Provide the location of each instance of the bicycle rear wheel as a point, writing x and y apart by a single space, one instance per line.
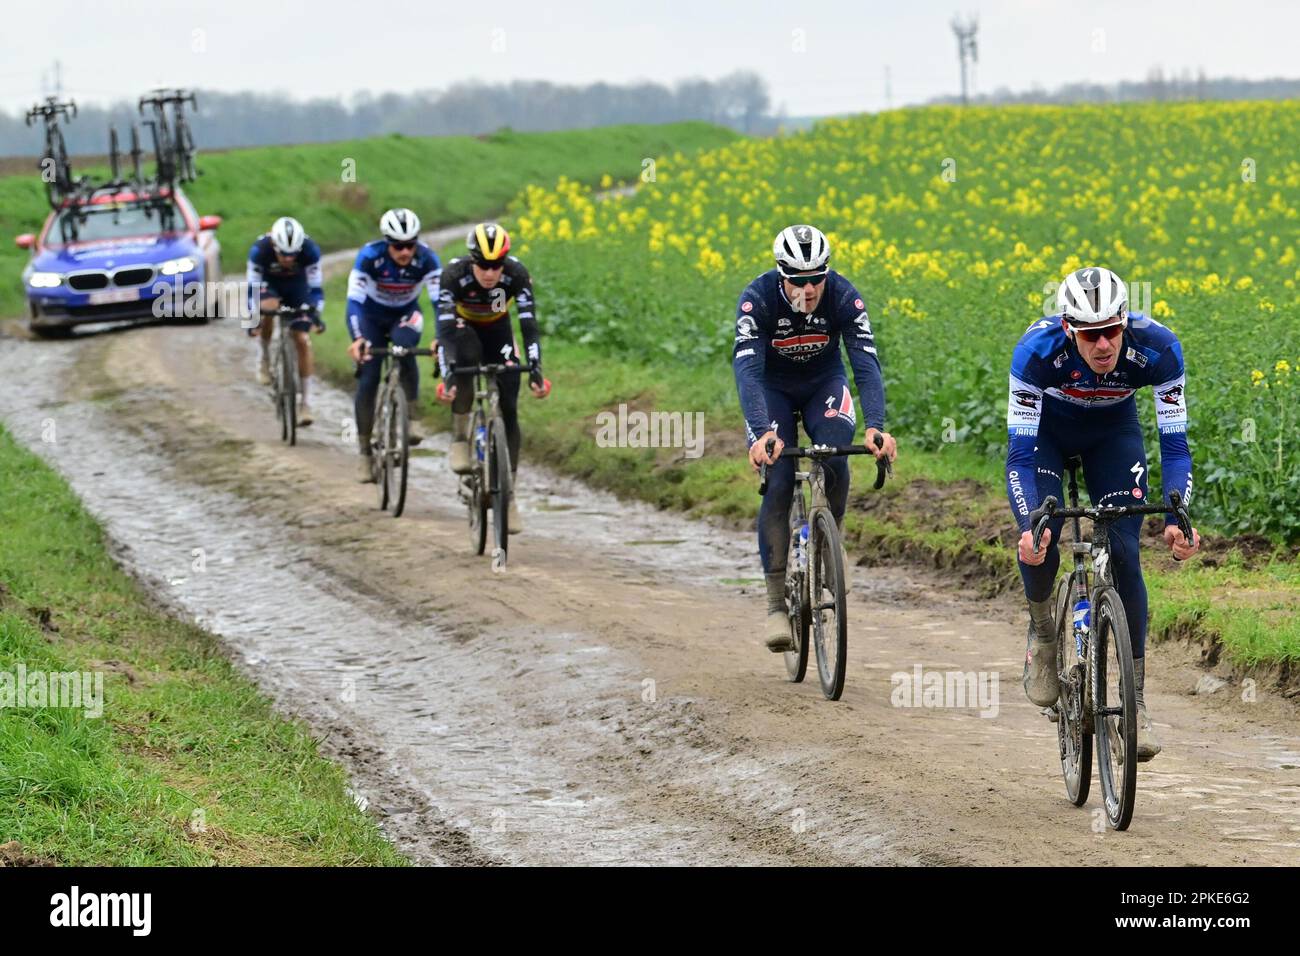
1073 740
796 601
399 455
830 623
499 479
1114 694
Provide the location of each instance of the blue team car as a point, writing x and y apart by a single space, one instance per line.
123 251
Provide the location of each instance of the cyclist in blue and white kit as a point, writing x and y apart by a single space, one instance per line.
284 268
1073 377
789 323
383 307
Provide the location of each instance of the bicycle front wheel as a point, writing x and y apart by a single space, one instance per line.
478 488
1114 696
379 446
1073 740
830 623
399 450
499 479
289 393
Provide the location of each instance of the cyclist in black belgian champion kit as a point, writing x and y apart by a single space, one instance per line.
474 328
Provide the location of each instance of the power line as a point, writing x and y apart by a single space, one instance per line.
967 52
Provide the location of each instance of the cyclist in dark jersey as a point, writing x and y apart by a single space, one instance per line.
284 269
474 328
1073 377
789 325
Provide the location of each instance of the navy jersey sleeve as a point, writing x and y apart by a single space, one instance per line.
855 328
433 279
310 260
749 357
255 275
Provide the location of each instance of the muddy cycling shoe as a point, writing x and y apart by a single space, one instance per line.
414 433
458 457
304 415
1042 686
365 474
777 632
512 517
1147 743
264 372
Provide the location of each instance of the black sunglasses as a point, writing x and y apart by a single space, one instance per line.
801 281
402 246
490 266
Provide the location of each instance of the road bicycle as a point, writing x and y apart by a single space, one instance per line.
489 483
1094 654
390 436
816 580
56 170
285 381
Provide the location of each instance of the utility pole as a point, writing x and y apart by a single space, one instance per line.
967 52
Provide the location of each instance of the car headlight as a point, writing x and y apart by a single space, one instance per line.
45 280
175 267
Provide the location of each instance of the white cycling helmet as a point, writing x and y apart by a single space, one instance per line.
1093 298
400 225
287 236
801 249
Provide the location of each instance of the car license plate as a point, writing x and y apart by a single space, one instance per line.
115 295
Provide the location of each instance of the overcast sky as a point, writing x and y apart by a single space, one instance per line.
817 58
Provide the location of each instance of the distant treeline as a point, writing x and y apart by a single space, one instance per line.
1157 86
739 100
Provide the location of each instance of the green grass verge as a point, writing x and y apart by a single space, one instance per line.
444 179
188 765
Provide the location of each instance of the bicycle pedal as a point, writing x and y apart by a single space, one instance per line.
1051 714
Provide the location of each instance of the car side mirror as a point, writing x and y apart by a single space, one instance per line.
209 222
25 241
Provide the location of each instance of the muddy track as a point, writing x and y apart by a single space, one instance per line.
605 698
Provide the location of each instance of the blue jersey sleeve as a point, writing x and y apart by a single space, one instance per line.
359 285
1169 387
1024 410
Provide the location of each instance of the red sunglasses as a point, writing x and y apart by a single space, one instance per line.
1092 336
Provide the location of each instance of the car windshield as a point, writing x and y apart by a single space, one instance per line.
114 220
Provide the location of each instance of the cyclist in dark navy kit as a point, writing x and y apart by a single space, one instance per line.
1073 377
474 327
383 306
284 269
789 325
